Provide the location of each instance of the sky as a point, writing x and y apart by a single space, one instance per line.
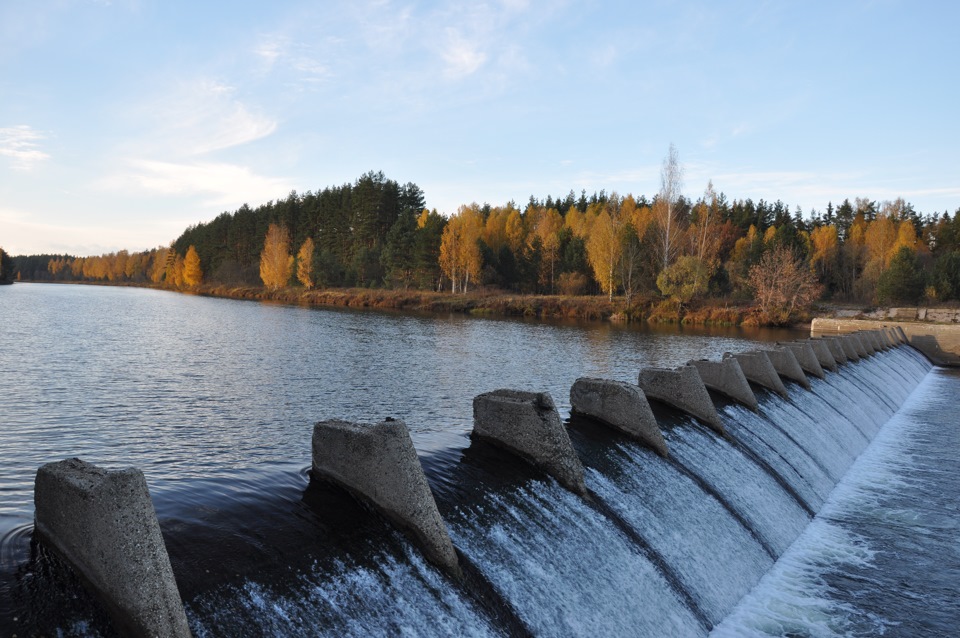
122 122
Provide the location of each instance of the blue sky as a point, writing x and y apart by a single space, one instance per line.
124 121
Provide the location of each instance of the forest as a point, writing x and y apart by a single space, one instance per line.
677 250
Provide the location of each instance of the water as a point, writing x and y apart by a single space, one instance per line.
214 400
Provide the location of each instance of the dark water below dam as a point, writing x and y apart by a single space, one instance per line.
215 400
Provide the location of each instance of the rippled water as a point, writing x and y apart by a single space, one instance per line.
215 399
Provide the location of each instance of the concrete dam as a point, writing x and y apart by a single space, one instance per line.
653 510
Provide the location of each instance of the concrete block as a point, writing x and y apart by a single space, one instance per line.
849 347
902 334
857 345
824 355
683 389
836 349
726 377
806 357
104 525
527 424
868 343
378 464
787 366
619 405
879 342
758 368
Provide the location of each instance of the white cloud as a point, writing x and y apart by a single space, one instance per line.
196 118
217 184
19 143
462 57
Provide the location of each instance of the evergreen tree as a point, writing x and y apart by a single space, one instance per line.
903 282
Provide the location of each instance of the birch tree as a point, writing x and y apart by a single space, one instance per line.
276 262
666 208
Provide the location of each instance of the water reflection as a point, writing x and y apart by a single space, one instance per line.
188 387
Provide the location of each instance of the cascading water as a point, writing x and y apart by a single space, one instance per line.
659 547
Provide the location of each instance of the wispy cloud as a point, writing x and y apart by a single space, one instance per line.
217 184
20 144
205 116
461 56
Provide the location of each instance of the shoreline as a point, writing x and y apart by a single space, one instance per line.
641 309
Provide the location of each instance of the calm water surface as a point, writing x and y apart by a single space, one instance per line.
192 387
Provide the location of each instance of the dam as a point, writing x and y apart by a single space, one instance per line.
762 516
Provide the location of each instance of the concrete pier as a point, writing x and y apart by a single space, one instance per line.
867 342
683 389
836 349
622 406
758 368
787 366
726 377
858 345
824 355
378 464
104 525
528 425
849 348
806 357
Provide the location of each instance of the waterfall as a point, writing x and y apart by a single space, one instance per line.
659 546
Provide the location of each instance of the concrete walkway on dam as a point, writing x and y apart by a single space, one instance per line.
940 342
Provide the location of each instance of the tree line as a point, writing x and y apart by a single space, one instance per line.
378 233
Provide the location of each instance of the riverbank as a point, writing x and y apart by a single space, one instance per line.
640 308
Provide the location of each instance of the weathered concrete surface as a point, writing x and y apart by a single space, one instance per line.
867 340
683 389
836 349
527 424
758 368
103 523
806 357
940 342
879 343
824 355
849 347
787 366
619 405
858 345
726 377
378 463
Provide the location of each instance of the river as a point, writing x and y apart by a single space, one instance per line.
215 400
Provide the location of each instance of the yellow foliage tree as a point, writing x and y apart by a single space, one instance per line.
192 273
824 247
276 262
305 264
547 231
460 257
603 251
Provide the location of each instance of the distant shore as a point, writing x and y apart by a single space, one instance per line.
480 303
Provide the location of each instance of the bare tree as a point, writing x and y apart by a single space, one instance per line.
666 209
783 285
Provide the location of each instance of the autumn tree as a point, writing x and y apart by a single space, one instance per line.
684 279
192 273
782 286
547 231
305 264
603 251
460 256
276 262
